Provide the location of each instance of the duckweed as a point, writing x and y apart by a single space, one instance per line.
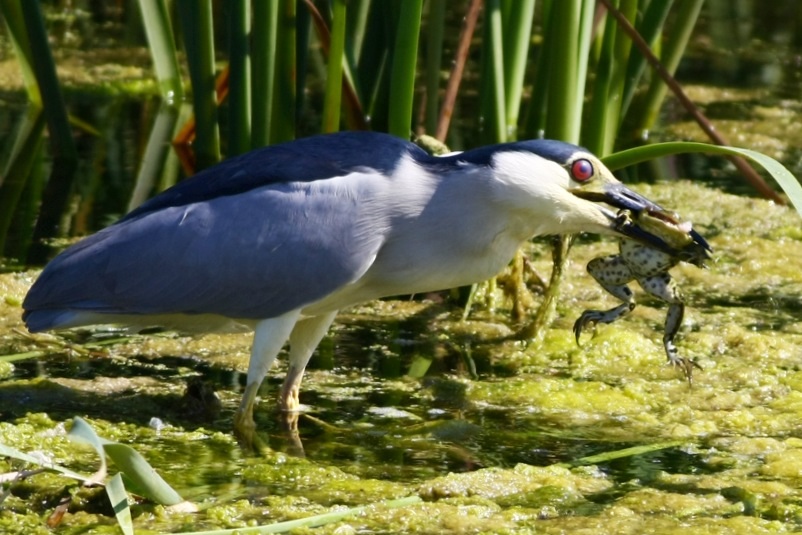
498 453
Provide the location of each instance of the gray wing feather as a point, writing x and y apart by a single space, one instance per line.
254 255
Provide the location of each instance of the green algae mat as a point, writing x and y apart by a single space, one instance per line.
481 433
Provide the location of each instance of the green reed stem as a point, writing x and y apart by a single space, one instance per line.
435 34
492 89
282 123
600 133
263 69
681 29
518 19
159 31
239 79
535 119
196 20
566 89
55 195
332 102
16 172
404 68
156 150
15 24
650 28
357 23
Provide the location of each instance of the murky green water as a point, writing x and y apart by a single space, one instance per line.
484 453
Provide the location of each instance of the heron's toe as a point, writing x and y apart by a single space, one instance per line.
244 426
288 399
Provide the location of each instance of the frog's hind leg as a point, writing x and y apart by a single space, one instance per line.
662 286
613 274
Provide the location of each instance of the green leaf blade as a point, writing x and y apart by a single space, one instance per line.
119 502
144 478
787 181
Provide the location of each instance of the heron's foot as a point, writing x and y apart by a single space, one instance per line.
289 421
288 400
245 432
244 426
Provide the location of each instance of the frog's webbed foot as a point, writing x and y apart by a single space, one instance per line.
684 364
662 286
613 274
673 322
592 317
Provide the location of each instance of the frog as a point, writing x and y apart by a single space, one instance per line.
650 267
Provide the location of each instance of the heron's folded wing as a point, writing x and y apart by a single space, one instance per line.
253 255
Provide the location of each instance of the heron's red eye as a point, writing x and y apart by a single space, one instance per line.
581 170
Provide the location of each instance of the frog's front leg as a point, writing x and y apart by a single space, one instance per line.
663 287
613 274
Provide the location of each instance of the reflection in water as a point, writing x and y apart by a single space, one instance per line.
362 413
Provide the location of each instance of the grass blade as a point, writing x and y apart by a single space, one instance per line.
357 22
119 502
626 452
8 451
687 14
564 22
156 150
159 31
754 179
143 478
23 356
55 196
567 26
778 172
312 521
81 431
651 27
601 130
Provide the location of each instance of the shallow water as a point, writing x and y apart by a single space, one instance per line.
483 452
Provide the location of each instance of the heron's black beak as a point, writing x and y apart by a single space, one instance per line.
648 223
619 196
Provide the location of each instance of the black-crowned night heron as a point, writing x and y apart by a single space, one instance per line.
279 239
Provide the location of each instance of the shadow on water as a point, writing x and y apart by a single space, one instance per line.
363 413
